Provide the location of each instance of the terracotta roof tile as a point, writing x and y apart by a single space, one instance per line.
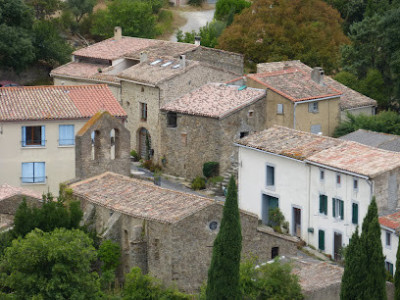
138 198
335 153
215 100
349 98
7 191
294 84
391 221
56 102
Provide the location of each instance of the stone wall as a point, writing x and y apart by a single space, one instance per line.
387 191
9 206
225 60
198 139
91 160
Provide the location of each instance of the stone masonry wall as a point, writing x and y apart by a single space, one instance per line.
229 61
387 191
9 206
198 139
87 164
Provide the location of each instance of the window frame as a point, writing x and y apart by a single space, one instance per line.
338 209
316 131
71 139
323 210
322 175
355 184
40 143
319 239
388 239
279 109
313 107
270 186
34 178
353 204
389 267
172 116
143 111
338 182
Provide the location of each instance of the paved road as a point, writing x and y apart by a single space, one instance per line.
195 20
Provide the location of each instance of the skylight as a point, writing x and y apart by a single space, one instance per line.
166 64
156 62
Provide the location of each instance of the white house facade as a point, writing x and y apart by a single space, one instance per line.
322 188
37 132
390 226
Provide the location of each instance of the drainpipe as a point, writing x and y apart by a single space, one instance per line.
309 205
294 115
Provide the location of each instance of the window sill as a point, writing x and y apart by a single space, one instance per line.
270 187
33 147
322 215
65 146
34 183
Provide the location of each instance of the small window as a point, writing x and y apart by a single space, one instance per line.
313 107
316 129
33 172
143 111
338 179
321 240
33 136
243 134
251 113
213 225
279 109
270 176
142 89
354 218
322 175
388 238
171 119
66 135
337 208
274 252
389 267
355 184
323 204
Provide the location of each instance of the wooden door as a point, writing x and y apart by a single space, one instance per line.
297 221
337 246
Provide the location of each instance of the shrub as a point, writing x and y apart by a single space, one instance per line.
211 169
199 183
135 155
215 180
196 2
276 217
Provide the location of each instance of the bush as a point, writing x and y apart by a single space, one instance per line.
276 217
135 155
196 2
211 169
199 183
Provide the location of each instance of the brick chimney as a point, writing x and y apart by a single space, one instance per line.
197 40
182 59
117 33
143 57
317 74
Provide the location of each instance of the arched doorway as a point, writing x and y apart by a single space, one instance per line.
144 143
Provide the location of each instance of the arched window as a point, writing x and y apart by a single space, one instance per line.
112 142
92 136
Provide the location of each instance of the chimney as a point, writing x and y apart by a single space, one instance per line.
286 66
117 33
143 57
317 74
197 40
182 59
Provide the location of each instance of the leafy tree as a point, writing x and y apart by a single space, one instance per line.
44 9
397 276
352 287
223 274
79 8
386 121
109 254
273 30
135 17
226 8
55 265
196 2
374 283
209 34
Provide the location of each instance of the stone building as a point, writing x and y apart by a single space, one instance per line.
167 233
202 125
102 144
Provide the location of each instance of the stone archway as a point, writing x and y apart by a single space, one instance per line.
144 147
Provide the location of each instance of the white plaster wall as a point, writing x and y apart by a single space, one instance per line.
344 192
60 160
291 181
390 251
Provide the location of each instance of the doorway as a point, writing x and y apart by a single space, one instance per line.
297 221
144 143
268 203
337 246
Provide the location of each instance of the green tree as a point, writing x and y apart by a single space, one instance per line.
55 265
44 9
273 30
79 8
223 274
226 8
352 287
397 276
209 34
135 17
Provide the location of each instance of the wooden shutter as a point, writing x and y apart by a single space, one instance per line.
341 209
321 240
321 204
334 207
355 213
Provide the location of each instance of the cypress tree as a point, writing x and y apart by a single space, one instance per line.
397 276
352 287
374 283
223 274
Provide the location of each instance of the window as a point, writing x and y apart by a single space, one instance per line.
337 208
338 179
66 135
243 134
33 136
270 176
389 267
316 129
279 109
354 217
213 225
33 172
321 175
313 107
274 252
143 111
388 238
323 204
171 119
355 184
321 240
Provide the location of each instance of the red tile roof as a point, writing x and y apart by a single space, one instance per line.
57 102
391 221
216 100
138 198
339 154
7 191
294 85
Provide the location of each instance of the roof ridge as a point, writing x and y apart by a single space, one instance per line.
37 87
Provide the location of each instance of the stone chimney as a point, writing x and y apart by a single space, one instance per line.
182 59
286 66
317 74
117 33
197 40
143 57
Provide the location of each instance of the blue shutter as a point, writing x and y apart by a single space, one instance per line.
27 172
39 172
43 138
23 136
66 135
